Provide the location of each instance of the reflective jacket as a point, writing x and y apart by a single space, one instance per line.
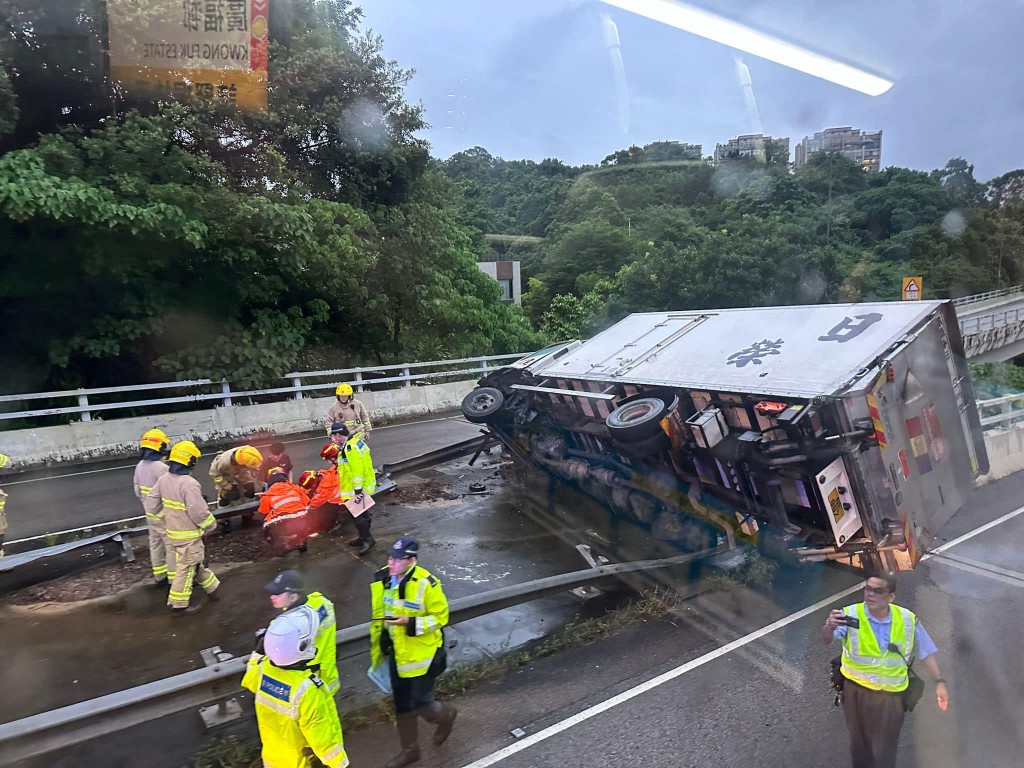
419 596
353 415
326 488
355 469
179 500
283 499
326 640
870 666
295 712
223 469
5 461
146 474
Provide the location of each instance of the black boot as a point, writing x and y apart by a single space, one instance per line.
408 735
367 546
366 540
443 716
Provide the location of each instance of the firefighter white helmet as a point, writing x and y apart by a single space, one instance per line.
291 637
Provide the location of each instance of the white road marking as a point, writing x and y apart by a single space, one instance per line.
984 566
1015 581
214 453
672 674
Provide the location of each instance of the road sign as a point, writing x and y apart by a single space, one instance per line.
913 287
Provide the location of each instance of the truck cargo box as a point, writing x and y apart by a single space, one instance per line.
841 431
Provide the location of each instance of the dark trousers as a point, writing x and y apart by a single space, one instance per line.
874 719
414 694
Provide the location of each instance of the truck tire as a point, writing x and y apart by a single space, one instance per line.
481 405
647 446
637 420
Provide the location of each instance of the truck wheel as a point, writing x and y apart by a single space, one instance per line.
480 405
647 446
637 420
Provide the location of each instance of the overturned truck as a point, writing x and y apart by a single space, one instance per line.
845 432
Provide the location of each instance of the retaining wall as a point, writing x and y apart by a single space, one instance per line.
1005 453
98 439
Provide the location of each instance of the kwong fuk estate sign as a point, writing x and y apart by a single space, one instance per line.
212 49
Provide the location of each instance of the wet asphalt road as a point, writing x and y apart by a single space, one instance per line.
42 502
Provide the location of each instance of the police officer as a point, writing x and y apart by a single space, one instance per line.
153 447
177 496
409 610
294 710
288 593
874 663
356 477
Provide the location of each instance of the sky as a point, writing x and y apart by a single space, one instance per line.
538 78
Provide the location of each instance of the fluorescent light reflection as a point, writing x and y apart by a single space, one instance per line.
735 35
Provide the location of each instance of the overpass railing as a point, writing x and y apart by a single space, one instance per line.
994 319
200 392
977 297
1001 412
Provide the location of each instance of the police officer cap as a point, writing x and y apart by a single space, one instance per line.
405 547
287 581
337 428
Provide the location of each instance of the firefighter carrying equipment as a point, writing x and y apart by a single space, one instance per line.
296 713
185 453
155 440
344 390
865 663
420 597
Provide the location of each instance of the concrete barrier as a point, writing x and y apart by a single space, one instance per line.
97 439
1005 453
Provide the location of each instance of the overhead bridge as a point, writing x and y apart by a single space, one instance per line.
992 324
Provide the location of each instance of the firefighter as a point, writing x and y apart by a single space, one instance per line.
287 593
5 461
284 507
179 498
325 489
294 710
234 473
154 447
411 644
348 411
356 478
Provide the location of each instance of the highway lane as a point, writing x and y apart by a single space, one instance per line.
58 500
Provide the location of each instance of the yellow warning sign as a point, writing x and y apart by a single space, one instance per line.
837 505
913 288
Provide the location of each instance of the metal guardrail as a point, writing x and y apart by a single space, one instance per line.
1002 411
58 729
987 322
975 298
409 374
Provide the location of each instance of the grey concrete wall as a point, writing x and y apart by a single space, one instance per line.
88 440
1005 453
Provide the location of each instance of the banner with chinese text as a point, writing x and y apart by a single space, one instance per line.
214 49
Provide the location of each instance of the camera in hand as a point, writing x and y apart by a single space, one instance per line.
850 621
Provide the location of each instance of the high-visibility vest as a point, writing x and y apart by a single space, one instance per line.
355 469
419 596
326 641
295 712
865 663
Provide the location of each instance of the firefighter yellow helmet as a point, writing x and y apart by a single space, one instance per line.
185 453
4 461
156 440
248 456
344 390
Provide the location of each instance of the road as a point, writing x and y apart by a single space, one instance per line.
739 678
46 501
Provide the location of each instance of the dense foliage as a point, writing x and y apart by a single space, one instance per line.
147 240
651 230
